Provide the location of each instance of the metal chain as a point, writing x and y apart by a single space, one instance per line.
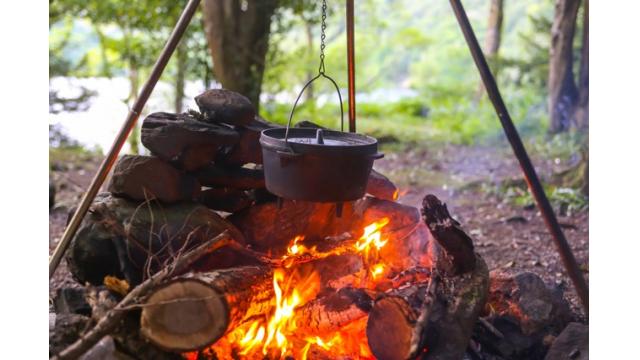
323 36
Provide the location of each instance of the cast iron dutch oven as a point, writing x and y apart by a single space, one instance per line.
317 165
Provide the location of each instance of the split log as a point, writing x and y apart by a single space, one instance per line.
248 149
225 106
183 140
460 257
137 295
131 179
225 199
230 177
194 310
381 187
327 314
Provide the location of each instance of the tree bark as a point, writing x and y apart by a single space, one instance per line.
582 110
563 93
494 35
238 36
181 62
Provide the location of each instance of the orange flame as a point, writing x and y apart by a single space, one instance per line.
274 336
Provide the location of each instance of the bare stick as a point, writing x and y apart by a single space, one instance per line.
137 295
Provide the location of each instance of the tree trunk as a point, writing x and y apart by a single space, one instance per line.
310 73
492 41
563 93
582 111
238 37
181 62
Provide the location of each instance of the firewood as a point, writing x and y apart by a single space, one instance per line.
381 187
329 313
269 228
230 177
225 199
194 310
137 295
460 257
130 240
248 149
183 140
398 320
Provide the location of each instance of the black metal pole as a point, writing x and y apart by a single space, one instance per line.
530 175
129 123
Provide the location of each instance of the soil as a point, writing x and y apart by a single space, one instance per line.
508 236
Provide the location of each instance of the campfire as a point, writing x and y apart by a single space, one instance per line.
213 266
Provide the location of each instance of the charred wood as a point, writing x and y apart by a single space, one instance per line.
230 177
460 257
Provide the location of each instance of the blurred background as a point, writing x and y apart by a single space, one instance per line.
418 92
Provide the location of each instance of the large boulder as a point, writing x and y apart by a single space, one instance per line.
183 140
129 240
225 106
147 177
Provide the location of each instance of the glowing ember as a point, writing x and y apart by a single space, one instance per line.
377 271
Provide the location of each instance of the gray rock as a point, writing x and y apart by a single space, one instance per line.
147 177
225 106
70 300
183 140
66 329
525 298
572 343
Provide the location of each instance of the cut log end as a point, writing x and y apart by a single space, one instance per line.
391 313
171 325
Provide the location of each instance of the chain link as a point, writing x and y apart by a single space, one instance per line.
323 36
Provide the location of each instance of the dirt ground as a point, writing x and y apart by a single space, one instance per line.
508 236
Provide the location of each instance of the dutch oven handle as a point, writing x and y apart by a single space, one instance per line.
320 74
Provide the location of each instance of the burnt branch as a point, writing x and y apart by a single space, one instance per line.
460 257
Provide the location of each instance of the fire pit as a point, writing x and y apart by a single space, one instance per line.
213 267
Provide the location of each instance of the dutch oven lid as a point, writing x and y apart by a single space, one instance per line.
318 141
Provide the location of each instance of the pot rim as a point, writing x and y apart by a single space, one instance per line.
357 144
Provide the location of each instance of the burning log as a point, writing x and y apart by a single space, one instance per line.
408 319
230 177
381 187
225 199
327 314
194 310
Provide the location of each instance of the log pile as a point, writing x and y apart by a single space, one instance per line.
193 256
